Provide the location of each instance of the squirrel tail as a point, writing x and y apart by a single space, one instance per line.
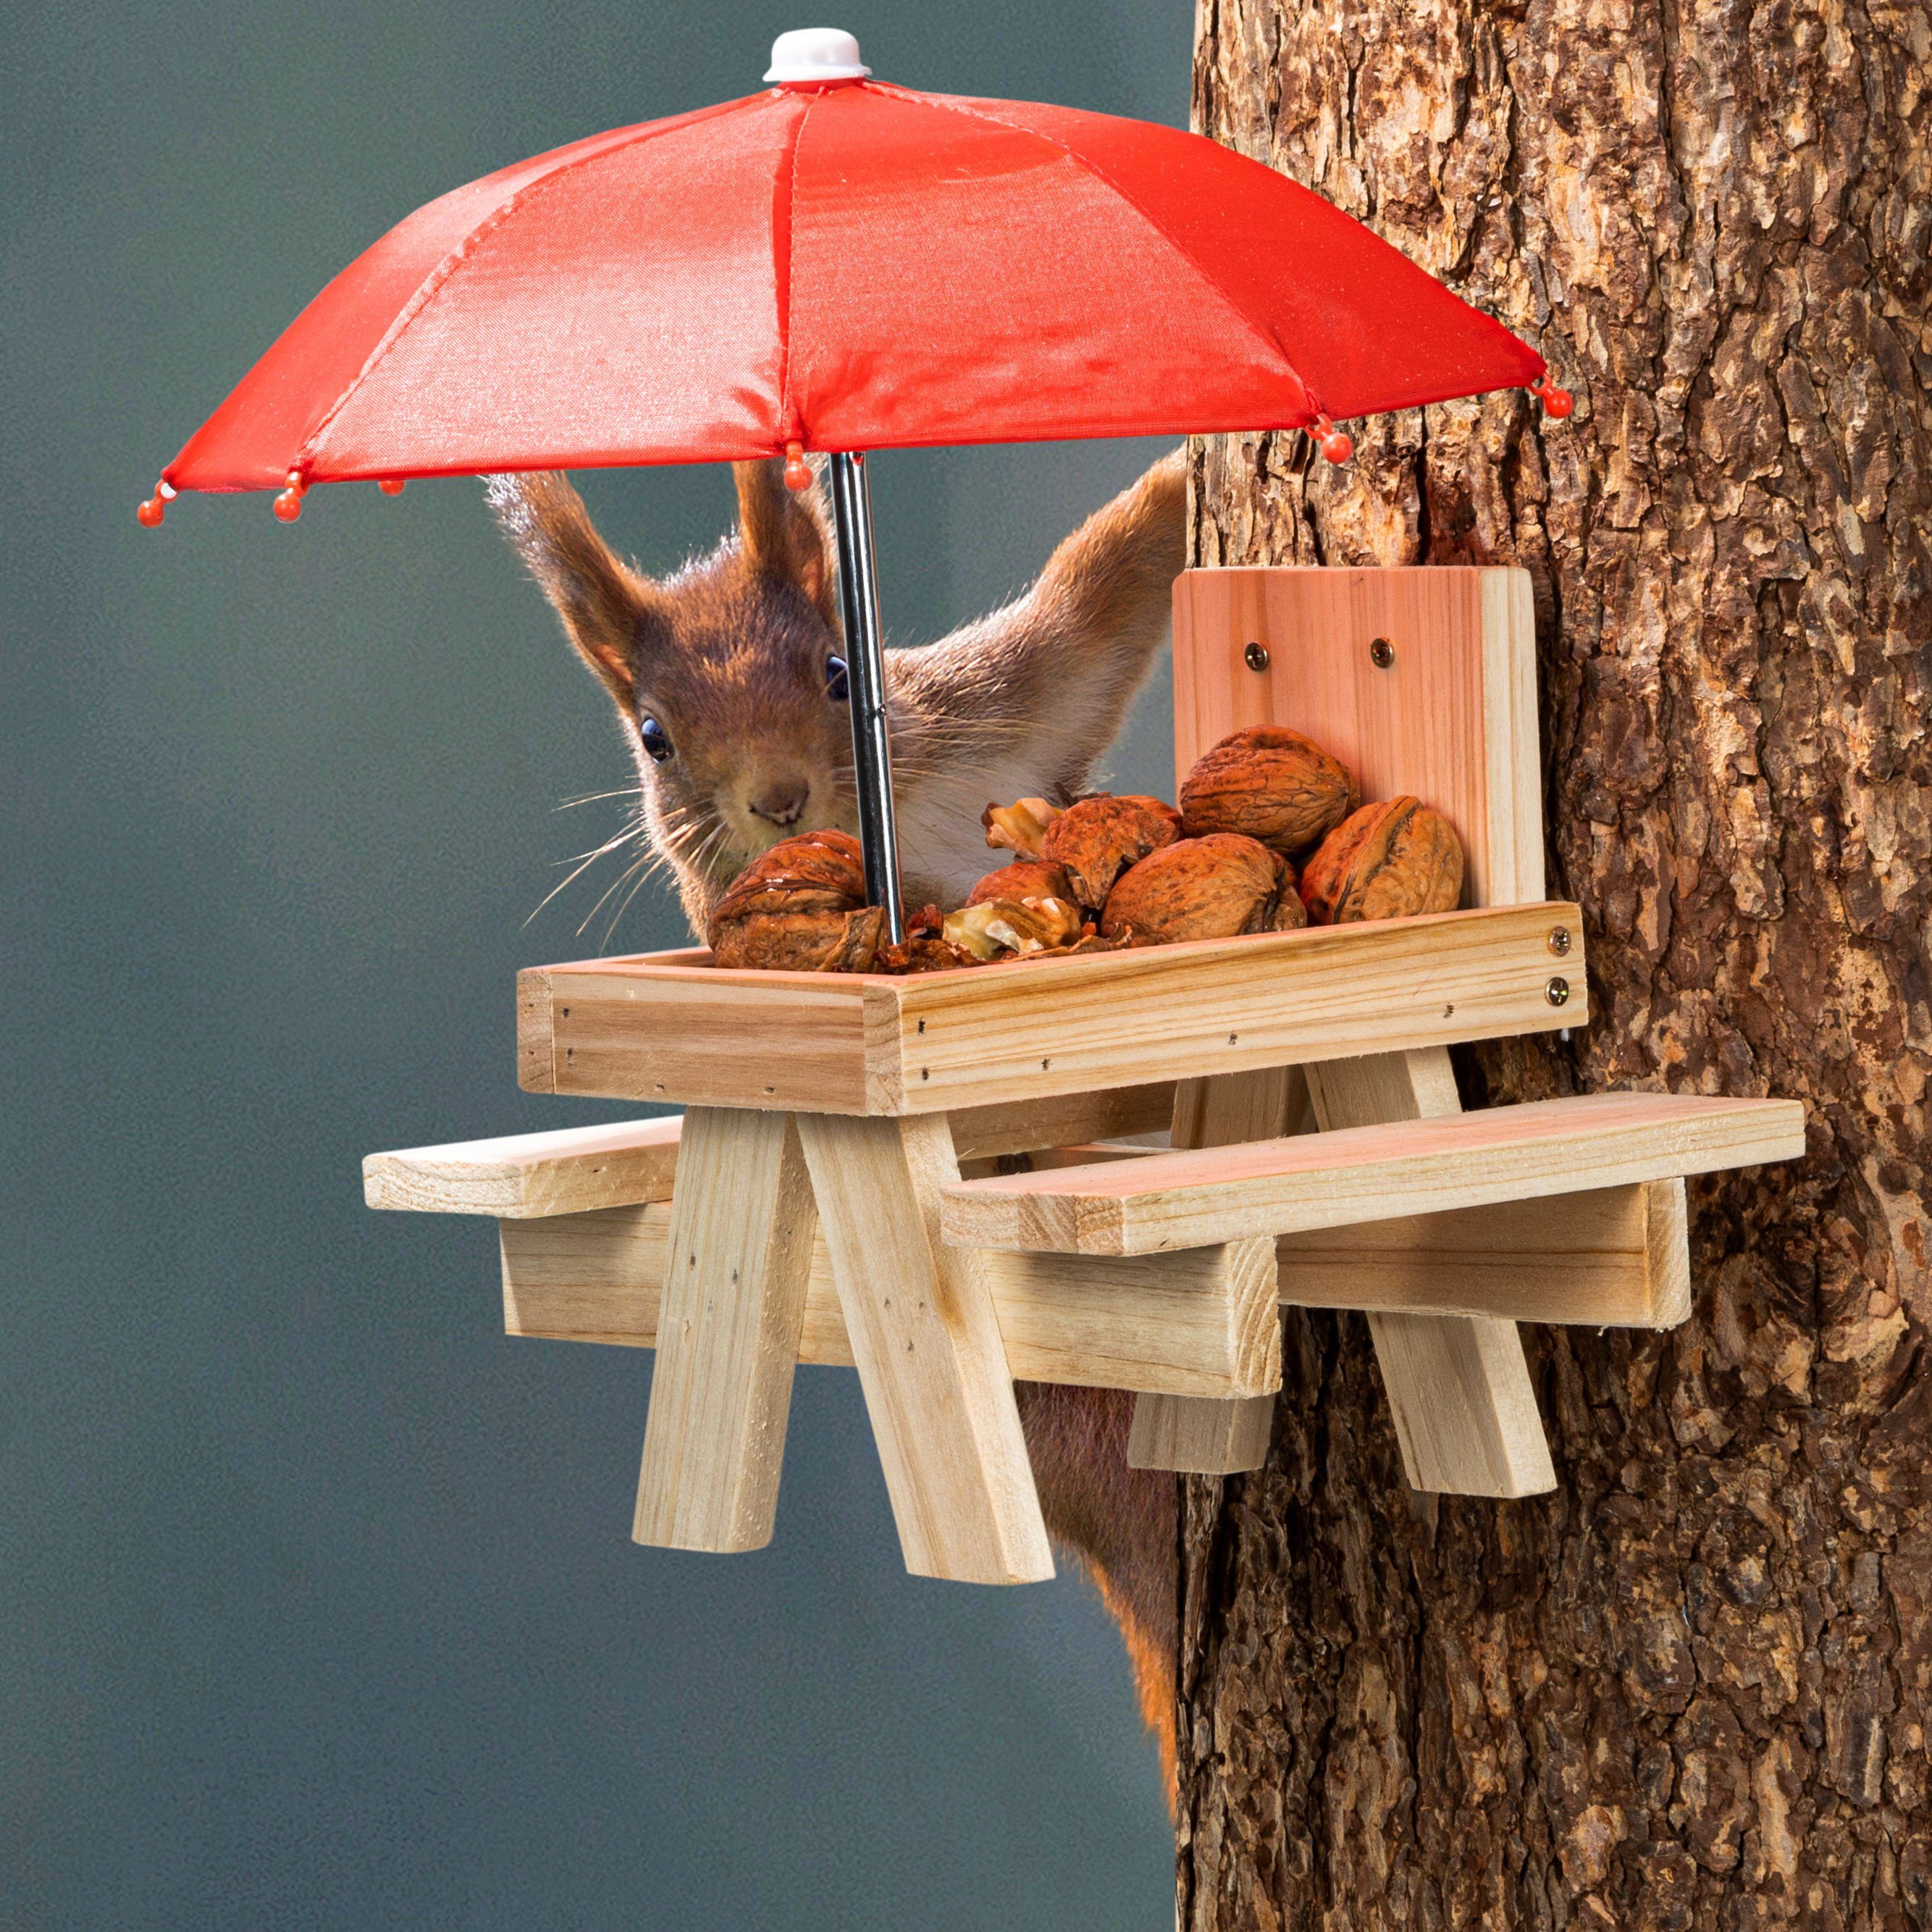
1115 572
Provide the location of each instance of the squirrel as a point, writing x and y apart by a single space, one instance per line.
729 680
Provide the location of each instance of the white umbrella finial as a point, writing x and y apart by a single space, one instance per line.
816 53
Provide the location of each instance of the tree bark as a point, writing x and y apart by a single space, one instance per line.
1690 1686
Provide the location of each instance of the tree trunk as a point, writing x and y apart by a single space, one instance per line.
1690 1686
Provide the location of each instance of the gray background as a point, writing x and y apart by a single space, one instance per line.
317 1603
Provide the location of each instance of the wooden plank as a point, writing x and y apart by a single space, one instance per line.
1188 1199
1199 1322
1512 747
1205 1439
536 1044
1612 1258
733 1306
1452 718
572 1170
1259 1106
1228 1006
1465 1412
517 1176
1208 1435
1458 1387
926 1343
665 1029
1060 1120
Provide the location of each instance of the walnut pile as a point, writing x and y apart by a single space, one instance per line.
1271 835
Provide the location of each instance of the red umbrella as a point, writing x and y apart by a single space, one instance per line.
840 264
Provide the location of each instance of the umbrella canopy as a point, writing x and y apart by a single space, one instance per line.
841 265
844 265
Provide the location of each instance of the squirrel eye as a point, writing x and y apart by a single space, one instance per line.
656 739
835 680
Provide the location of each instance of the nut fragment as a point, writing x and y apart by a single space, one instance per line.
921 952
1019 826
1389 860
1031 879
993 926
1208 888
1098 837
1271 784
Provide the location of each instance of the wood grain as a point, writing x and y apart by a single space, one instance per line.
664 1028
1609 1258
517 1176
733 1307
668 1027
1185 1199
1458 1387
570 1170
1205 1435
926 1343
1700 216
1452 718
1200 1322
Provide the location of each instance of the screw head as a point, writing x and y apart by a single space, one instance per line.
1557 992
1559 941
1382 653
1256 657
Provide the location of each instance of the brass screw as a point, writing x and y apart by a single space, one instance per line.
1559 941
1557 992
1256 657
1382 653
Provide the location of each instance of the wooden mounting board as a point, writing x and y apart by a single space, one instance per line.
1451 719
669 1026
1192 1199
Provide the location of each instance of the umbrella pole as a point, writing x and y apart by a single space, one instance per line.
865 681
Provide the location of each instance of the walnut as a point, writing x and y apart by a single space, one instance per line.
800 907
1270 783
992 926
1031 879
1097 839
1389 860
1208 888
801 942
1019 826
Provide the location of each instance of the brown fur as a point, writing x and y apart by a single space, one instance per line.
729 656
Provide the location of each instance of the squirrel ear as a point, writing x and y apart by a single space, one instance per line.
782 532
602 600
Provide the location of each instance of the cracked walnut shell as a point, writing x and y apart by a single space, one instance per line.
1019 826
800 907
1390 860
1096 839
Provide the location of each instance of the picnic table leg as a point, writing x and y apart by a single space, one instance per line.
1466 1414
927 1344
728 1329
1204 1435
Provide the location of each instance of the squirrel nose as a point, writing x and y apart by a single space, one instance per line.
782 802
